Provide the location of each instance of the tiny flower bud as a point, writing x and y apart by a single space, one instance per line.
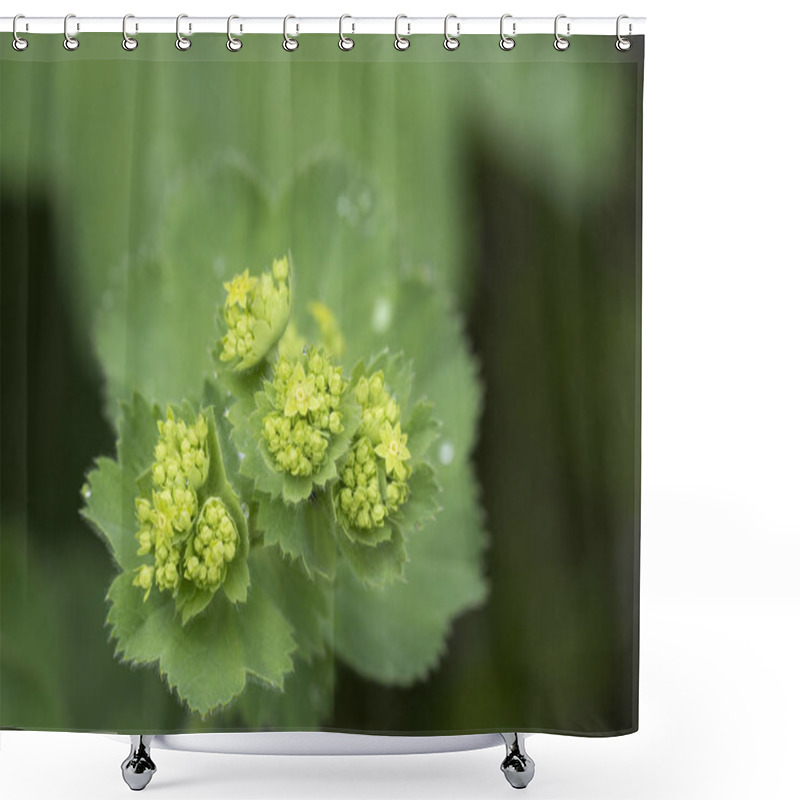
280 269
362 391
143 579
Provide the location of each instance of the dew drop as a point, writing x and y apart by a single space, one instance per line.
86 492
381 315
446 453
240 455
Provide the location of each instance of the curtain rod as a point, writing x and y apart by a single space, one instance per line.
407 26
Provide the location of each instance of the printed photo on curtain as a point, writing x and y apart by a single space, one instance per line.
320 384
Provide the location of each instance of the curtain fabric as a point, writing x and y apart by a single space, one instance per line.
320 385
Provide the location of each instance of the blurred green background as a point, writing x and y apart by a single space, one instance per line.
514 176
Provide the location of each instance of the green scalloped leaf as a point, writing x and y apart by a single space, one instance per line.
191 600
304 703
207 660
296 488
423 502
137 434
105 495
422 429
246 417
253 466
303 532
237 580
233 393
306 604
219 397
370 537
378 565
111 486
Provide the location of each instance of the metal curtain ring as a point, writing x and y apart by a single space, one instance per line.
345 42
451 42
290 44
560 43
507 42
128 42
70 42
18 43
400 42
181 42
234 44
623 44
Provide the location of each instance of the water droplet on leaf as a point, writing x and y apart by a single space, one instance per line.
446 453
381 315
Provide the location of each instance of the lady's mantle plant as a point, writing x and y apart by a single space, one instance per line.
269 634
291 472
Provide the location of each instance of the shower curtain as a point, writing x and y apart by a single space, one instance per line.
320 385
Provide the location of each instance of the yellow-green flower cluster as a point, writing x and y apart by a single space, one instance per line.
375 473
157 535
181 453
307 412
179 469
256 313
360 496
212 547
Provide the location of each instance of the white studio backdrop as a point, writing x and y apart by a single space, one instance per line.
720 600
